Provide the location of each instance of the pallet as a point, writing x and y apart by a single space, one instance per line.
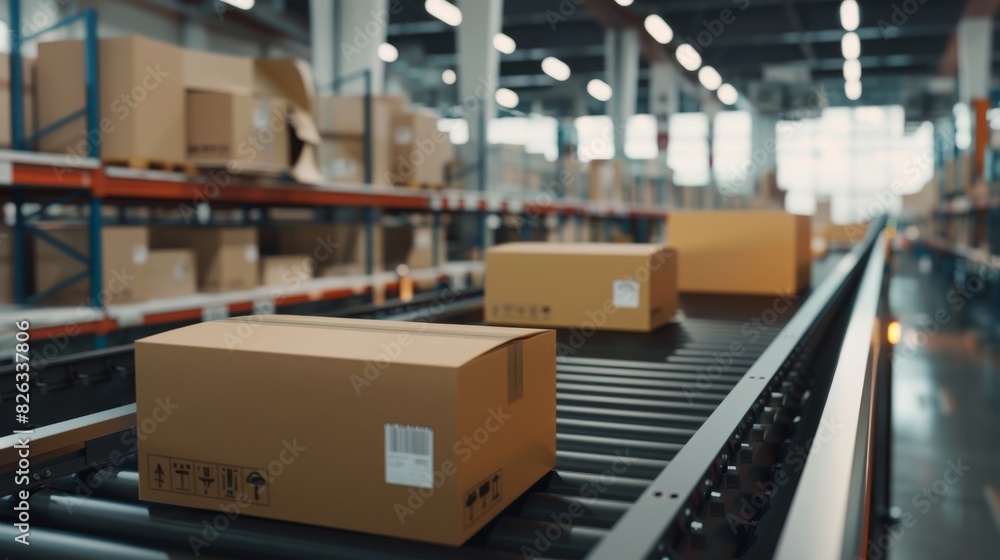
243 168
152 164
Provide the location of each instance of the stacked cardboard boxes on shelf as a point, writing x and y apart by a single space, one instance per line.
172 273
331 249
226 258
605 180
341 121
407 149
124 267
141 100
228 121
420 152
165 107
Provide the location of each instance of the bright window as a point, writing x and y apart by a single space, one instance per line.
687 149
863 159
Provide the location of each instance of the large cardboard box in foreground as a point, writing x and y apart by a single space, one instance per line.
124 267
581 285
763 252
419 431
141 99
226 257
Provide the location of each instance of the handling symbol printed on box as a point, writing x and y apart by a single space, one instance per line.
206 479
482 497
230 481
159 469
209 480
181 475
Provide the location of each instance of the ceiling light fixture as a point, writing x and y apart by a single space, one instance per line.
444 11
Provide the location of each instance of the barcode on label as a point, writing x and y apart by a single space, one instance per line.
409 455
414 440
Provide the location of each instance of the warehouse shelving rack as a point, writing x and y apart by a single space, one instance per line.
29 177
36 183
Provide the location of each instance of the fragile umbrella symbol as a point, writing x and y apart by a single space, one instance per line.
256 480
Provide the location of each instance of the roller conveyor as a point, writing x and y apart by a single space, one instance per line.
655 446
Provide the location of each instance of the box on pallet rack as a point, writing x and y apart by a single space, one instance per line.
233 131
334 249
420 152
141 100
342 127
290 80
226 258
124 264
172 272
28 97
229 124
288 271
605 180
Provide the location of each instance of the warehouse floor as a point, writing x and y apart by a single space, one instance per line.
946 420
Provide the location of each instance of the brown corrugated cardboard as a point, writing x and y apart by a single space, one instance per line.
605 180
28 95
286 270
344 115
291 80
237 131
226 257
418 431
581 285
741 252
335 249
342 159
341 124
420 150
205 71
141 98
125 267
845 235
421 253
171 273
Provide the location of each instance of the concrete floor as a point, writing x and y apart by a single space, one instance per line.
946 422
